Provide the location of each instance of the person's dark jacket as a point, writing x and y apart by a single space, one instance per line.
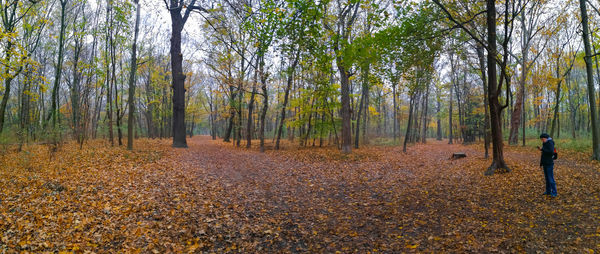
547 153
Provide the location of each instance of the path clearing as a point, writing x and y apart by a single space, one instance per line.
213 197
381 199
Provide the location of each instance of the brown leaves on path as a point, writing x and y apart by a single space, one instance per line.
215 198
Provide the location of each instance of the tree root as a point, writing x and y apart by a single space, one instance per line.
496 168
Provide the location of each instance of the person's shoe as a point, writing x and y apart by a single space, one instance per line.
553 195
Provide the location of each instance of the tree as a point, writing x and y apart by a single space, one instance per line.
590 81
530 28
178 20
132 71
12 13
494 58
346 16
59 62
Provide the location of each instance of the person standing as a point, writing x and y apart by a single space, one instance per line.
547 163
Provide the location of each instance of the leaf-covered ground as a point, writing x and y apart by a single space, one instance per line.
216 198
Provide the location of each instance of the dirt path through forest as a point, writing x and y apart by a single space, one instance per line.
382 199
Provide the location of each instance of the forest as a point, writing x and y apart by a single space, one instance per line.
298 126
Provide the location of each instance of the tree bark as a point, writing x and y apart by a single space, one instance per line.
178 77
590 82
57 76
249 125
493 93
229 129
424 113
7 86
395 114
133 69
108 72
486 128
290 79
438 113
450 136
410 120
263 114
361 106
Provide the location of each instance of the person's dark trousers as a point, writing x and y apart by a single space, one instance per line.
550 183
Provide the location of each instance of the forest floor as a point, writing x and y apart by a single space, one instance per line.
213 197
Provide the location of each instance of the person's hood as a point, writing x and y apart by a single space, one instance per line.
549 138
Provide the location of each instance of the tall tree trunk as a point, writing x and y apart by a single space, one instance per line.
7 83
116 91
573 109
590 82
178 77
450 136
345 110
249 125
229 129
597 71
24 117
424 121
523 119
410 120
108 73
290 79
518 110
493 93
75 93
486 127
557 94
57 76
133 69
240 96
438 114
394 96
361 106
517 113
263 113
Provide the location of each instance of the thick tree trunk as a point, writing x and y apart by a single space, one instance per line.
590 82
493 93
597 73
178 77
345 110
7 83
517 113
4 99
